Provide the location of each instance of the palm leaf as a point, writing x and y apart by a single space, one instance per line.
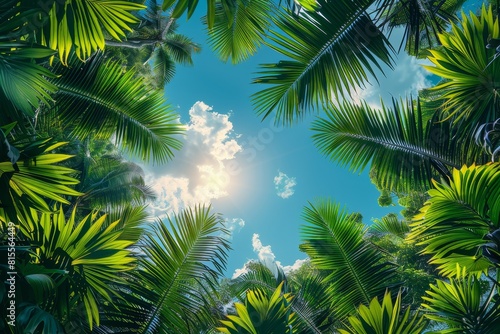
239 33
180 259
35 178
463 306
91 255
455 222
470 91
79 24
390 224
261 313
117 104
23 83
329 51
387 317
406 153
335 243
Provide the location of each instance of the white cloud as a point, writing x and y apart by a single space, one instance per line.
295 266
266 256
198 174
233 225
284 185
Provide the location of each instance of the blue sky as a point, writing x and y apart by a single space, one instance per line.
257 175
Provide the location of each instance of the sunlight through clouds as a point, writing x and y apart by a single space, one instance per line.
198 174
284 185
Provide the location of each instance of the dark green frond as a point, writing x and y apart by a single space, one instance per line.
180 259
238 33
102 101
406 153
335 243
328 52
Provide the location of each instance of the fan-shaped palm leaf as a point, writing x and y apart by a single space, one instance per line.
456 222
334 242
99 100
91 255
471 89
329 51
463 305
180 259
33 179
261 314
385 318
405 152
79 24
237 34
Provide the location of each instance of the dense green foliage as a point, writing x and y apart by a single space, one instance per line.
86 261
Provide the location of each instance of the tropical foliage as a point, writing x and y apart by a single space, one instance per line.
84 259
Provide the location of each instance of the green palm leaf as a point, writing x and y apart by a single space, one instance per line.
335 243
33 179
116 104
261 314
237 34
181 258
78 25
457 224
390 224
329 51
387 317
470 93
92 255
23 83
463 306
405 152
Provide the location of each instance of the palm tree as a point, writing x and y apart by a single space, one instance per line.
328 50
405 151
155 41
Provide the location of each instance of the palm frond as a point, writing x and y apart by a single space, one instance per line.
390 224
90 255
463 305
180 48
180 259
328 52
101 101
34 179
79 25
385 317
238 33
454 224
470 91
406 153
335 243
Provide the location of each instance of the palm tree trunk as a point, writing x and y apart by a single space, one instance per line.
132 43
